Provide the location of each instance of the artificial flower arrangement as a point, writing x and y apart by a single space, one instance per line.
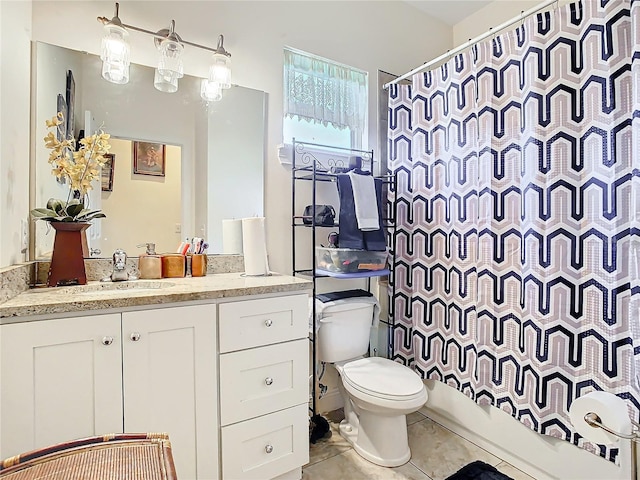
79 166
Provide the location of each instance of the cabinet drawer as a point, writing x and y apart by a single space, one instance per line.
267 446
254 323
262 380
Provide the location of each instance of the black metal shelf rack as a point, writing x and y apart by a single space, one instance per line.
314 162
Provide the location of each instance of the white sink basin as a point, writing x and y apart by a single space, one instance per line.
107 288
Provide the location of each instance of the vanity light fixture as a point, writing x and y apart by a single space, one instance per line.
114 51
115 58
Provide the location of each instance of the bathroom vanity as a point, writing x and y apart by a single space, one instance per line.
220 363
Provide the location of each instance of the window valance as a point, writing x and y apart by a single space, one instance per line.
324 92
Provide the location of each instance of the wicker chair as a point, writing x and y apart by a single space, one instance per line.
143 456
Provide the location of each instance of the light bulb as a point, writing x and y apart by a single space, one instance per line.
115 54
220 70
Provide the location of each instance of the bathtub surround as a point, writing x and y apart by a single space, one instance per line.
513 287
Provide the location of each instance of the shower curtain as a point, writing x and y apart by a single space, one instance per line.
518 214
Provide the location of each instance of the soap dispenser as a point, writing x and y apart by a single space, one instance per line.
149 263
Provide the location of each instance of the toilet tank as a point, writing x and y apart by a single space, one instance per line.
343 331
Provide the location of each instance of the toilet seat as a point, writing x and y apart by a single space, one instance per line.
382 378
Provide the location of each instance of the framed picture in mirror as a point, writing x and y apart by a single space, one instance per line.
148 158
107 172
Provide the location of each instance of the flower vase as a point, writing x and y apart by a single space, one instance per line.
69 250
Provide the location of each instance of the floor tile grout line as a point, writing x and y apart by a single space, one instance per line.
420 470
466 440
327 458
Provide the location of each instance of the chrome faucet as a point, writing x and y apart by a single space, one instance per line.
119 266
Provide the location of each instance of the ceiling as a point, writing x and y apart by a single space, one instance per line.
449 11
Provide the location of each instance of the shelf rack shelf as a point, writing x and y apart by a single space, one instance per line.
313 162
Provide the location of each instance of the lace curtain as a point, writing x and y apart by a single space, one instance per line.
324 92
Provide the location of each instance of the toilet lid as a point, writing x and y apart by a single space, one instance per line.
381 377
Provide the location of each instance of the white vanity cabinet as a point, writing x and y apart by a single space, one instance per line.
170 383
227 380
143 371
264 387
61 379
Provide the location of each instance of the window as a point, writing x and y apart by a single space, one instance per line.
324 102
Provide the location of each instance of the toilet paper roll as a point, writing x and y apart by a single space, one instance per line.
612 411
254 246
232 236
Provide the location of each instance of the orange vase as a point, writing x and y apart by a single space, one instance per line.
69 250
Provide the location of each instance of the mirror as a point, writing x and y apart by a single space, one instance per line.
213 154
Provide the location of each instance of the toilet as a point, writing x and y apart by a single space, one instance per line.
378 393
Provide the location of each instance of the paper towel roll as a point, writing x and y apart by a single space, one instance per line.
232 236
254 246
612 412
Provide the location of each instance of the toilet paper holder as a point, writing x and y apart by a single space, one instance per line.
595 421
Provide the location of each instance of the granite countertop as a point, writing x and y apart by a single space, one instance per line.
100 296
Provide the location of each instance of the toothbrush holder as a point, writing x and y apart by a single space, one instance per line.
198 265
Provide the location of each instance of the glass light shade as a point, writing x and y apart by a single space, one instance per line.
114 53
220 70
165 83
210 91
170 61
115 72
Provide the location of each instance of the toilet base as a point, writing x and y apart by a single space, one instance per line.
379 439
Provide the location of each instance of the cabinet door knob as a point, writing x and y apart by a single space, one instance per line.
268 380
268 448
135 336
268 322
107 340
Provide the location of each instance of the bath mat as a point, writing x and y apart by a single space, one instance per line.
478 471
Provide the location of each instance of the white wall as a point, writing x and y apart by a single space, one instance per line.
492 15
539 455
141 203
372 35
236 182
15 66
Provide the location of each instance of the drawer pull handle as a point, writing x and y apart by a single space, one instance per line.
268 380
268 322
135 336
107 340
268 448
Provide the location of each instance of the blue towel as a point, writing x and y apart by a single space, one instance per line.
350 235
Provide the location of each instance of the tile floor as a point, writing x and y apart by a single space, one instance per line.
436 454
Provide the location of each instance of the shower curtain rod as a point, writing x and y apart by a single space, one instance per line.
473 41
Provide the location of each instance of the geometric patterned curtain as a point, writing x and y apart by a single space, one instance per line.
518 244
